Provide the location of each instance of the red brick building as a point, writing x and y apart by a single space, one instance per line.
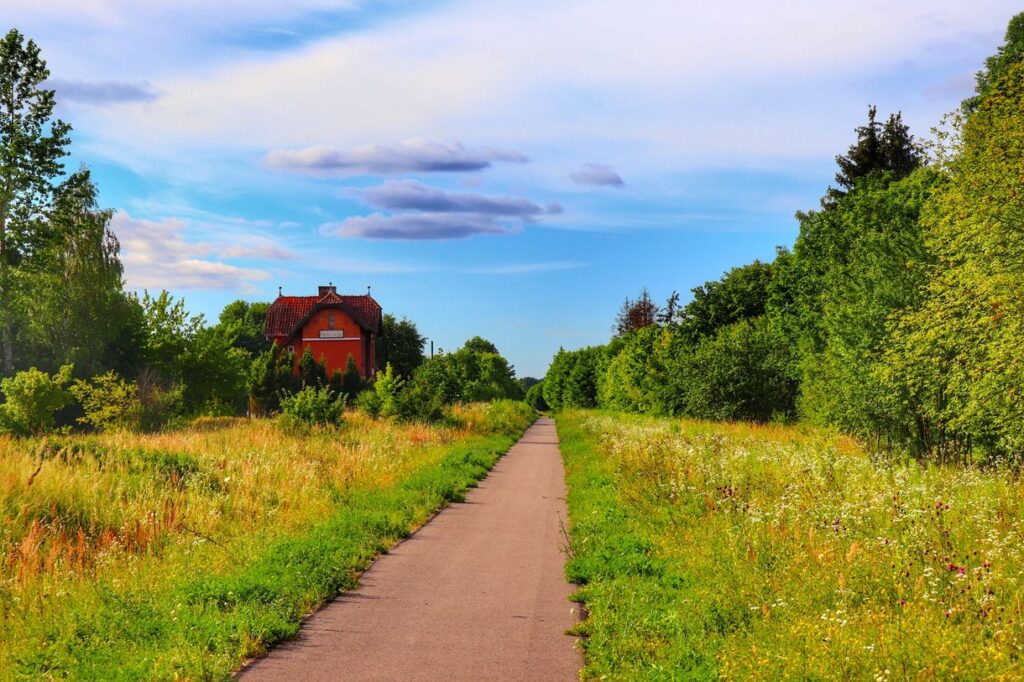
334 326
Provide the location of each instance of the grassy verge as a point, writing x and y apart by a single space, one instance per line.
179 555
764 552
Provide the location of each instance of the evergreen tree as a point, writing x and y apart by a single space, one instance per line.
312 372
351 383
669 313
634 315
879 147
272 376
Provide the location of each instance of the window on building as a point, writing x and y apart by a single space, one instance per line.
330 321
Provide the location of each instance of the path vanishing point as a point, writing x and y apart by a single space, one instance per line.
479 593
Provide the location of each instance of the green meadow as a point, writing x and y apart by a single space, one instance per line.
709 550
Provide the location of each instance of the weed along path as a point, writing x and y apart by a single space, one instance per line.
479 593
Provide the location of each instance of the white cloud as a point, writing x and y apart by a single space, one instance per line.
411 156
409 195
416 226
597 174
158 255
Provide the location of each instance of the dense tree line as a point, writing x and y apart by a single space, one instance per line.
78 350
896 316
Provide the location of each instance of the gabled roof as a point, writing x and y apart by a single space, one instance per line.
288 313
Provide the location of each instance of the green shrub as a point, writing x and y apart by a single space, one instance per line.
629 379
474 373
313 406
159 404
507 416
421 401
580 388
368 402
389 390
740 373
108 401
535 397
32 399
554 382
312 372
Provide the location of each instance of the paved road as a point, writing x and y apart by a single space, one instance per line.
479 593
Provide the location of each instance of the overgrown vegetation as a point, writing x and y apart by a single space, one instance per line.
178 555
732 551
895 317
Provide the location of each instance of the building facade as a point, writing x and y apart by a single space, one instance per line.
333 326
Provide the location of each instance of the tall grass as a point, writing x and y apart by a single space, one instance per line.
179 554
765 552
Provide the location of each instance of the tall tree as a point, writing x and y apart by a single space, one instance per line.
74 299
634 315
242 322
170 332
879 147
741 293
668 314
31 148
996 66
883 271
401 344
956 358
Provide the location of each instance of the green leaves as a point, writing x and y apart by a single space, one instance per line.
31 147
32 398
315 406
956 358
109 402
400 344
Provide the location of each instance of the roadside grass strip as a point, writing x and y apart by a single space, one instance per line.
737 551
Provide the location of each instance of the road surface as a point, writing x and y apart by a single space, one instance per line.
479 593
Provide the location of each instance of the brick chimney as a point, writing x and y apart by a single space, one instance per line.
327 289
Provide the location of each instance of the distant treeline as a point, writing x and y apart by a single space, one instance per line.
78 350
897 316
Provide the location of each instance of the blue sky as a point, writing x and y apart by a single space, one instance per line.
507 169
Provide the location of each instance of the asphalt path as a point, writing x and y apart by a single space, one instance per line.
478 593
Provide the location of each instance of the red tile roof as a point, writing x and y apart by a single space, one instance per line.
286 313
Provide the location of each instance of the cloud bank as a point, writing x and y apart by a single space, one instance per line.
411 156
661 84
597 174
